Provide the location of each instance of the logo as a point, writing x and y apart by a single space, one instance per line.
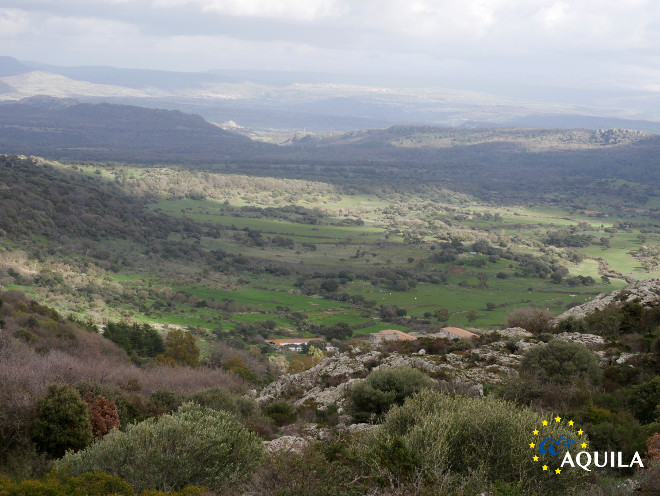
552 453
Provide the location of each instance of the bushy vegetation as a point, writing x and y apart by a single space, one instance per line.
374 396
143 340
534 320
644 401
63 421
455 441
90 484
193 446
562 362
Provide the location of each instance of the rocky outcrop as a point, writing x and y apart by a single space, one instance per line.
287 444
589 340
645 292
328 382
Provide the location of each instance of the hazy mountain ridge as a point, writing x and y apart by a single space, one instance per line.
66 129
323 102
496 159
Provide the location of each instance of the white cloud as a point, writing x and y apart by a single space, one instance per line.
298 10
13 22
552 15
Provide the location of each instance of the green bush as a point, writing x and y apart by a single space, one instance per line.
54 484
90 484
562 362
63 421
644 401
327 468
165 401
281 412
450 440
243 408
374 396
193 446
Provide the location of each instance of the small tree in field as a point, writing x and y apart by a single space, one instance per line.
63 421
442 314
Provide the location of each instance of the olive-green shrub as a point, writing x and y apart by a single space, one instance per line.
193 446
90 484
562 362
373 397
63 421
450 441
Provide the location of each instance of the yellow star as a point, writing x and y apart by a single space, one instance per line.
557 418
584 445
580 432
570 422
531 445
545 467
545 422
536 458
536 433
557 471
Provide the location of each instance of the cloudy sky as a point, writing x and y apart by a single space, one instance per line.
588 44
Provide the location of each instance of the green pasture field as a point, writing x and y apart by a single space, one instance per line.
259 299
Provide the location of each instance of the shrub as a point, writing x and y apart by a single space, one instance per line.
195 445
441 438
63 421
644 401
375 395
104 416
237 366
534 320
54 484
181 349
241 407
165 401
281 412
327 468
90 484
562 362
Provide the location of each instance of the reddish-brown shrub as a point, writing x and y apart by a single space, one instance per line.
653 448
104 414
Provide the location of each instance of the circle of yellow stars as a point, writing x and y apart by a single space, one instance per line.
536 432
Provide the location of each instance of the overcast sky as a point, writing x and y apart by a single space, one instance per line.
612 44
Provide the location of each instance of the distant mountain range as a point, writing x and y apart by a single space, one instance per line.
514 160
69 129
295 101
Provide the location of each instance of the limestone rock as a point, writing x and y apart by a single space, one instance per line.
589 340
287 444
647 292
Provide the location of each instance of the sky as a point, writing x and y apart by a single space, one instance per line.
589 44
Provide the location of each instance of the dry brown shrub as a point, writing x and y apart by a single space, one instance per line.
257 363
534 320
653 448
104 414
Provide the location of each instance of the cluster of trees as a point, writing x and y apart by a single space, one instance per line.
141 340
568 238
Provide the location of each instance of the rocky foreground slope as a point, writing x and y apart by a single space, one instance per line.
469 369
